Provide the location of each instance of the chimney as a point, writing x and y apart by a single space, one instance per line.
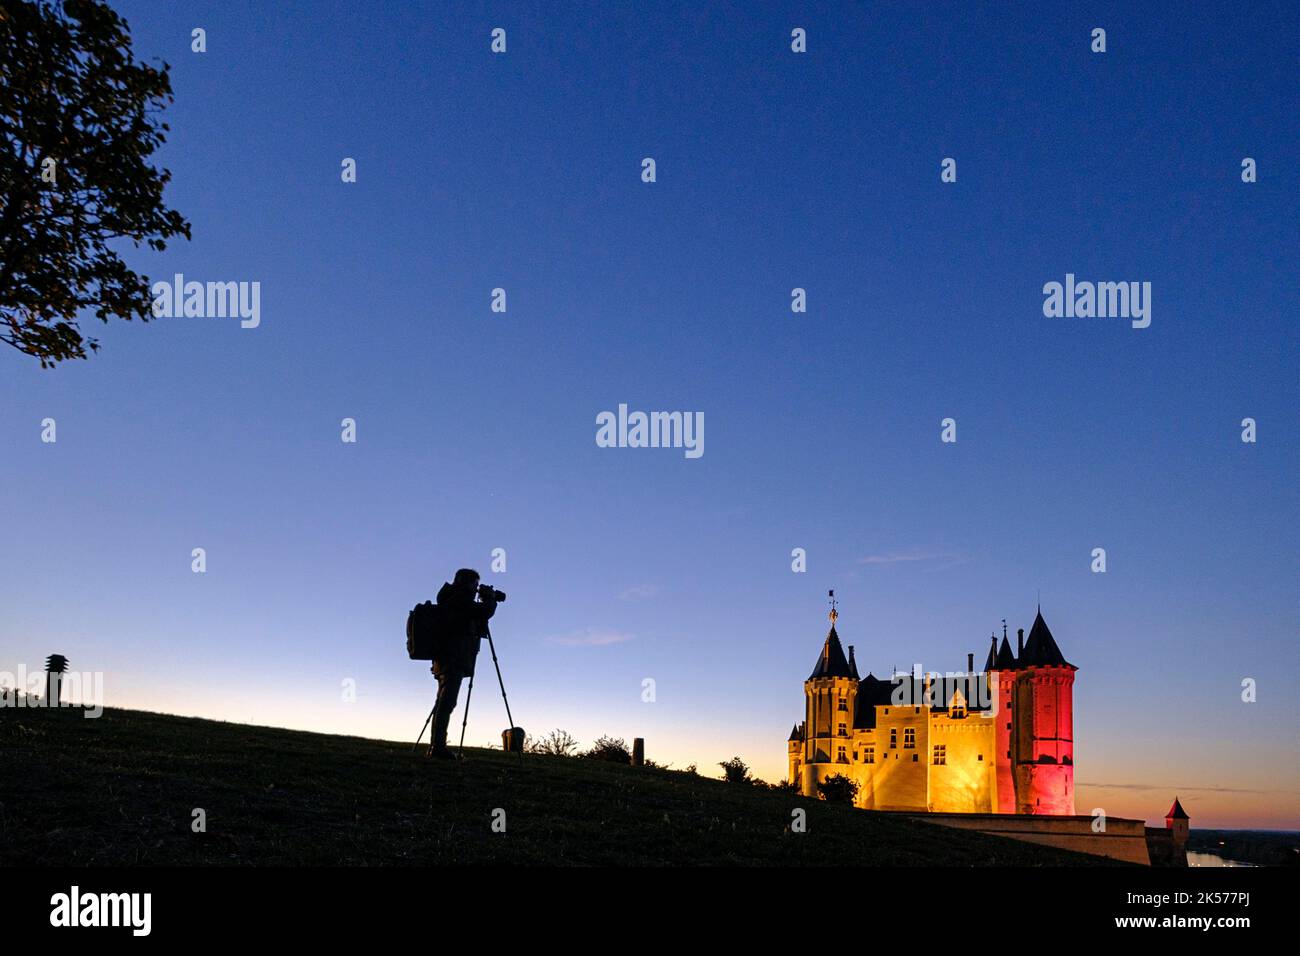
1020 642
970 663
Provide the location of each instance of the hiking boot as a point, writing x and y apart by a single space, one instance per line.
440 753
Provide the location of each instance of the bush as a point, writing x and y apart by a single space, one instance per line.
735 771
558 743
613 749
838 789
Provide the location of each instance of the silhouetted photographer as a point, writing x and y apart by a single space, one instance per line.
450 634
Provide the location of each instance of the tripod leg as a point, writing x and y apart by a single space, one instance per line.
504 699
468 695
427 721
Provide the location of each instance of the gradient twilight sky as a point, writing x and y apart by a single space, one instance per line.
476 430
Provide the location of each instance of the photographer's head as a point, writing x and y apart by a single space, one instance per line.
466 579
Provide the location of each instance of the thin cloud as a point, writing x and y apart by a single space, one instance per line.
1164 787
639 592
591 637
943 558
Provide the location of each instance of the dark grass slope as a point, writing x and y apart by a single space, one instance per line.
121 789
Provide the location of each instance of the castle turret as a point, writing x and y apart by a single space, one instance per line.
1000 674
830 694
794 752
1177 822
1043 725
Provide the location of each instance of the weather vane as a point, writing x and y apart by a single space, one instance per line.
834 613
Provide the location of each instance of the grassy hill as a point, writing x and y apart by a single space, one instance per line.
122 788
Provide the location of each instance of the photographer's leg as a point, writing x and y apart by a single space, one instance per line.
448 692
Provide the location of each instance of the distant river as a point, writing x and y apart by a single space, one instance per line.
1211 859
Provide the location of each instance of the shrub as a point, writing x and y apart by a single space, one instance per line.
613 749
558 743
838 789
735 771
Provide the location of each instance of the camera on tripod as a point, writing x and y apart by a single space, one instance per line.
488 592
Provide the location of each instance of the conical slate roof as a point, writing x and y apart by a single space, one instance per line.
853 665
1040 647
1006 657
832 662
1176 812
794 734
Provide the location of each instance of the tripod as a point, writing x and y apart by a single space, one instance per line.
468 695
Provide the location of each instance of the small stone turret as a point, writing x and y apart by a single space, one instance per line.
1177 822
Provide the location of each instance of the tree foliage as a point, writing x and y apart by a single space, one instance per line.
78 125
838 789
558 743
735 770
613 749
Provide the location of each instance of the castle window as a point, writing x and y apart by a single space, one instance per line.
940 755
842 730
869 755
979 757
844 704
893 738
841 758
909 738
915 757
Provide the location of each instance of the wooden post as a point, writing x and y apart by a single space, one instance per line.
638 752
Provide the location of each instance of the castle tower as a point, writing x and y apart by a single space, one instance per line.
795 753
1177 822
1043 726
830 694
1000 672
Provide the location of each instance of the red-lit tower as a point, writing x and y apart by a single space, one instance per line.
1043 725
1000 672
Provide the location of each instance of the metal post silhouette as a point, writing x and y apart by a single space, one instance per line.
55 665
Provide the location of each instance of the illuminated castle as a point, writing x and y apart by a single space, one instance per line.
996 741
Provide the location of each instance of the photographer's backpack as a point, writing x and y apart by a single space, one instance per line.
423 630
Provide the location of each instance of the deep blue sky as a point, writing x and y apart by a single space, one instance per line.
775 170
